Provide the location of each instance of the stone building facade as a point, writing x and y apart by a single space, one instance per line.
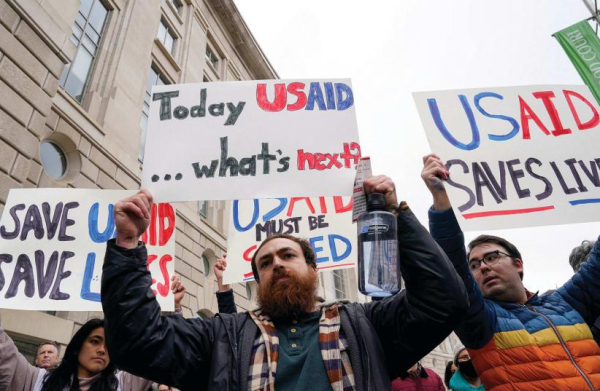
75 80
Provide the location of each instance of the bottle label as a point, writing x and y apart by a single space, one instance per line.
376 228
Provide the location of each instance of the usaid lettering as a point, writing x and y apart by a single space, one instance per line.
231 140
52 245
326 222
517 151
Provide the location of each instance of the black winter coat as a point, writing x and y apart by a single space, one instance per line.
385 337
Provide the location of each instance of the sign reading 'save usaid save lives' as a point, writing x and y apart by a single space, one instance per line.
251 139
52 246
517 156
326 222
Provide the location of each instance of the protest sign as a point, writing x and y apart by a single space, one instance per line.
251 139
326 222
52 246
517 156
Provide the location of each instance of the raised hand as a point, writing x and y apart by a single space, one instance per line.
433 174
178 290
132 216
219 268
384 185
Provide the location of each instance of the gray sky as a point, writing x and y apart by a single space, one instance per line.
393 48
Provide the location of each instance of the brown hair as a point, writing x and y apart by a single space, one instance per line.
307 250
510 248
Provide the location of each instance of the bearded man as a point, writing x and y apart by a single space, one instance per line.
290 342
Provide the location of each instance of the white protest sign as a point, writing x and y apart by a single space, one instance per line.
517 156
251 139
52 246
326 222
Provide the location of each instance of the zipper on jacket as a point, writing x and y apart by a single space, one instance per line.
564 345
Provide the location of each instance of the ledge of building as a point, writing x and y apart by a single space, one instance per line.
243 39
37 324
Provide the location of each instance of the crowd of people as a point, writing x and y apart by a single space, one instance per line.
513 339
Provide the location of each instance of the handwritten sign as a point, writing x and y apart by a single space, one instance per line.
326 222
52 246
517 156
251 139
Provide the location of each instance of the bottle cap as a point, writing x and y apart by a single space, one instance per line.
375 201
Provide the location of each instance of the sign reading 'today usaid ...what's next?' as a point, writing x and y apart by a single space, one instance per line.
251 139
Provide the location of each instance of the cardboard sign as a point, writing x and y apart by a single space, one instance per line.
251 139
517 156
326 222
52 246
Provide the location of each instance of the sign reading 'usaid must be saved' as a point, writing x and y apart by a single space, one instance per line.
251 139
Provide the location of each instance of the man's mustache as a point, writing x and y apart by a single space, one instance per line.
280 273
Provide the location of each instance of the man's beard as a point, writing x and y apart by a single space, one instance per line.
289 298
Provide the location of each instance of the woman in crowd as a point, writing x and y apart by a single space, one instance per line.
450 369
465 378
86 366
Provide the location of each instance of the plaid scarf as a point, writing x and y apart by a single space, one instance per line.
265 351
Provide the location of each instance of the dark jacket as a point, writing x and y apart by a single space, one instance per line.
226 302
544 344
214 354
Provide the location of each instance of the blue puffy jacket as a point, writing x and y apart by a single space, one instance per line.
545 344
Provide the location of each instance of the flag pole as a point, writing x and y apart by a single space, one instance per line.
592 8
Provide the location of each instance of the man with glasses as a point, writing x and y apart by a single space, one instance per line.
517 339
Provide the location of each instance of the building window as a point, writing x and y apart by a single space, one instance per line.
339 284
165 36
154 79
26 348
206 265
203 208
249 293
87 33
211 57
54 159
177 5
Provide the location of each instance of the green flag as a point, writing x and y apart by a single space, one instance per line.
582 45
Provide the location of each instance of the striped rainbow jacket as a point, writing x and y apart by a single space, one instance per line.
545 344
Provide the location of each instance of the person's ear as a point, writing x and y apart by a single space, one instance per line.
518 264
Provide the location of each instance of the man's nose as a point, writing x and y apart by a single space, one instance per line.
277 261
484 268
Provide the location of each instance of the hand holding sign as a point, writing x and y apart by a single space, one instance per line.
132 217
434 172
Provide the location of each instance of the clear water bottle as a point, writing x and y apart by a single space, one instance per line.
378 257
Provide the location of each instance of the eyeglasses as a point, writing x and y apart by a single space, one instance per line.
489 259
